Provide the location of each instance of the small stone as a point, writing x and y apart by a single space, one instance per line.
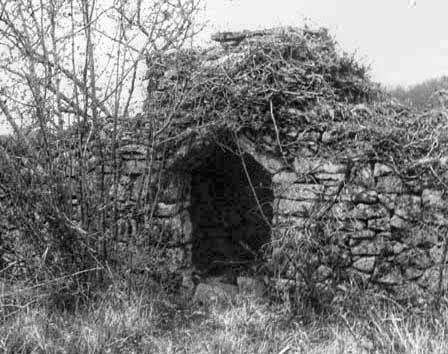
363 234
388 200
412 273
367 248
284 177
399 223
381 224
366 197
408 207
389 184
331 168
294 207
367 211
382 170
433 198
365 264
300 191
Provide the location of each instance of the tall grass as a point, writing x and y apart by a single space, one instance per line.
117 321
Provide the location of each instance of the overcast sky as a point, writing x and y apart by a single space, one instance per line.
404 41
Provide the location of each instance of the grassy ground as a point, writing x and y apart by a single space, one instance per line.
117 321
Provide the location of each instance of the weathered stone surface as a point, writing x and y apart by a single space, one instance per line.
363 234
382 170
294 207
365 264
389 184
331 168
303 166
368 211
284 177
212 294
388 200
300 191
433 198
399 223
408 207
368 248
251 286
380 224
366 197
412 273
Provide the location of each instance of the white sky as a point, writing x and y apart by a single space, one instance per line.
404 43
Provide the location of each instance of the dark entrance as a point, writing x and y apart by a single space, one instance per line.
229 228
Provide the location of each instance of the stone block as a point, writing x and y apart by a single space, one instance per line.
408 207
363 234
433 198
294 207
382 170
369 211
284 177
366 197
368 248
399 223
389 184
380 224
365 264
300 191
388 200
412 273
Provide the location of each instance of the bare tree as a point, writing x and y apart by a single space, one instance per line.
71 73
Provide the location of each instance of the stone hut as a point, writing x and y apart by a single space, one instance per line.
277 154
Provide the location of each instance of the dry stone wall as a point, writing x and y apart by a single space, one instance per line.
388 229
